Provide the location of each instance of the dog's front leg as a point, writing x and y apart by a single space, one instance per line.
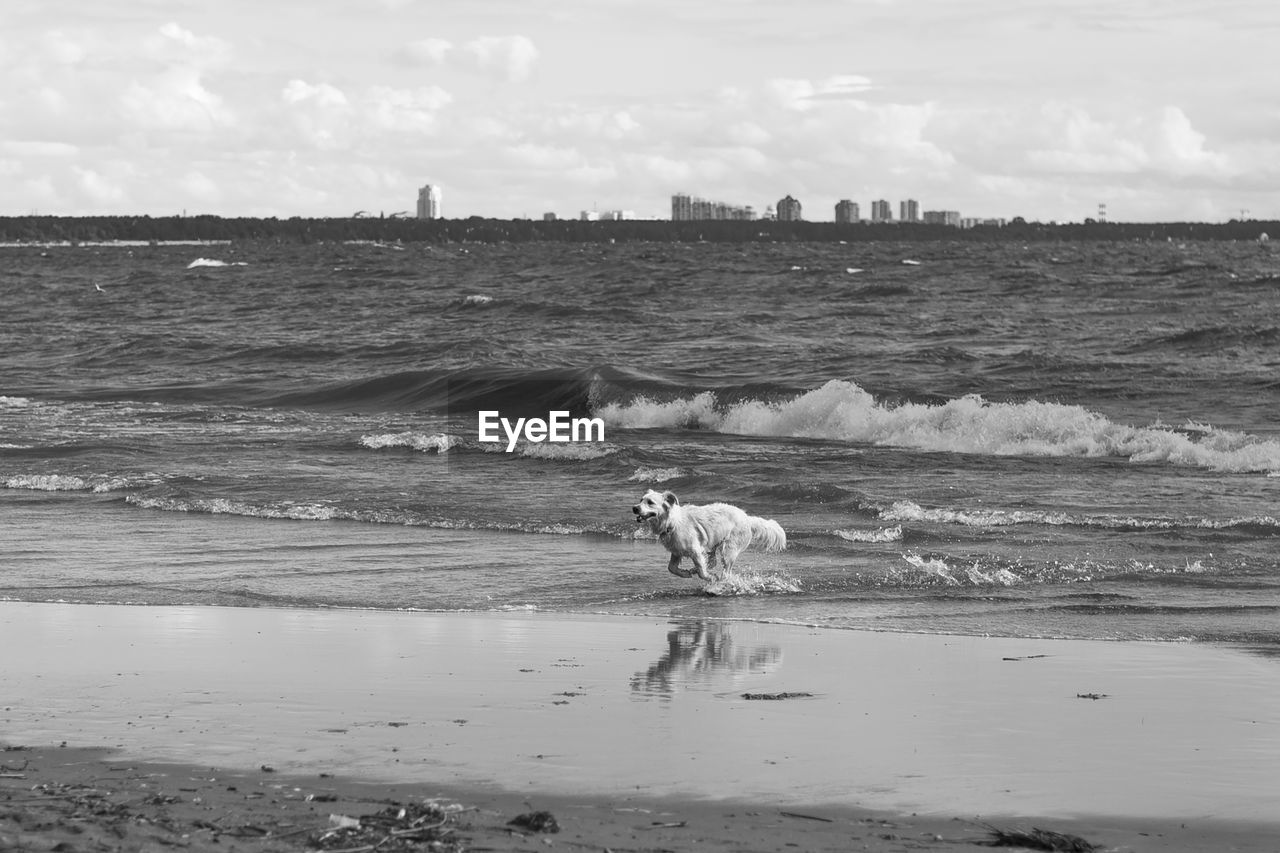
700 563
674 567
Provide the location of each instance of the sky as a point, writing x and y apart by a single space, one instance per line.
1161 110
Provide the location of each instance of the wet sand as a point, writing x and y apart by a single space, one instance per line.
634 732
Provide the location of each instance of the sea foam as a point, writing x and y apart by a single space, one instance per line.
840 410
971 575
746 582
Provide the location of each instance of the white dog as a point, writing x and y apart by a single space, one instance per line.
704 533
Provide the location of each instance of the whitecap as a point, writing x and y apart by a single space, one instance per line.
426 442
883 534
48 483
214 262
655 475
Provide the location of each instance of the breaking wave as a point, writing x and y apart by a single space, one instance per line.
908 511
840 410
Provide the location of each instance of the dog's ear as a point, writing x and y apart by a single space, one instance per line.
670 499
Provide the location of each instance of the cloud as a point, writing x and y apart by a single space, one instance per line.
1180 147
175 100
547 157
98 189
328 118
199 187
173 44
1165 142
320 113
802 95
39 150
406 110
62 48
428 51
575 123
322 94
510 56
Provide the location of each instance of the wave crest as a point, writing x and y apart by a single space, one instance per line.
840 410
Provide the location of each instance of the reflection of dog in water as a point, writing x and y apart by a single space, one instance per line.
702 652
706 533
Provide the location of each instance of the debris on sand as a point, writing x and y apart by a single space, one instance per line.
394 828
1039 839
536 822
795 695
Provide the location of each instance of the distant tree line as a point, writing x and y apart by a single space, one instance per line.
479 230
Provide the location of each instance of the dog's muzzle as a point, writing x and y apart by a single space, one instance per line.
640 518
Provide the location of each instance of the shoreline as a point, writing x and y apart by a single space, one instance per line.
63 798
1181 740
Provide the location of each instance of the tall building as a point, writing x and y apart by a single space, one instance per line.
789 210
881 212
847 211
942 217
909 210
681 207
429 202
685 208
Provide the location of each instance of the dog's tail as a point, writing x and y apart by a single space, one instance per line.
768 533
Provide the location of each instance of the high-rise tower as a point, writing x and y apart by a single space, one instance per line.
429 202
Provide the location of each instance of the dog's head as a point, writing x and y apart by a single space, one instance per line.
654 507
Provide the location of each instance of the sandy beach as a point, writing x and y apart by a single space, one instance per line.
248 728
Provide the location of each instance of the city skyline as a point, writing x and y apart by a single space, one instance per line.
1044 111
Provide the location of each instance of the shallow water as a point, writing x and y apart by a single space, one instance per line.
627 707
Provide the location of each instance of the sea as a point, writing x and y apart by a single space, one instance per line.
1047 439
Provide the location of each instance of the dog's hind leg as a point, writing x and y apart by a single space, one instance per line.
673 566
733 546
